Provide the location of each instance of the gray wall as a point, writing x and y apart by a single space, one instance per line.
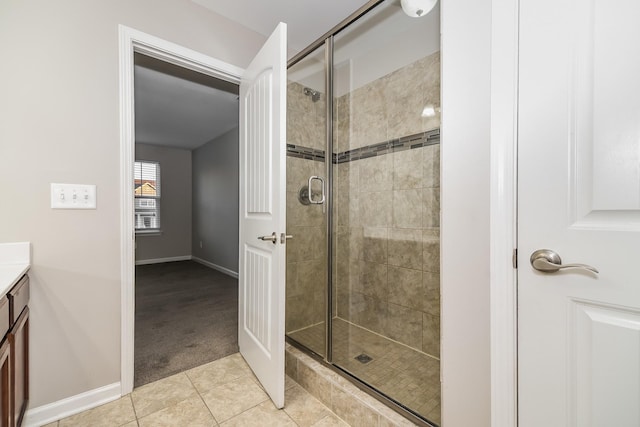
61 123
215 201
175 204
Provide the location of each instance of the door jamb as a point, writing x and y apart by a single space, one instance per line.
503 213
130 41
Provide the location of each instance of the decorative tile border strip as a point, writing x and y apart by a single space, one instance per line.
417 140
305 152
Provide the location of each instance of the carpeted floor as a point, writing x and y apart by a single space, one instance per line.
186 316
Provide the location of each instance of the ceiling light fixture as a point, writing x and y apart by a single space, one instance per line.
417 8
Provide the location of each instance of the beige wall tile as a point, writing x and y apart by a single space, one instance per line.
347 407
431 297
404 325
368 311
408 169
291 365
304 409
376 208
431 335
405 248
376 173
374 244
431 251
373 280
431 207
407 208
314 383
406 287
431 166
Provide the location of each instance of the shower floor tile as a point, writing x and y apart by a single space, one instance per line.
409 377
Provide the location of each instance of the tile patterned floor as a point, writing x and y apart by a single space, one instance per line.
410 377
222 393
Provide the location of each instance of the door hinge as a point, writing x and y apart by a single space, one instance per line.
514 258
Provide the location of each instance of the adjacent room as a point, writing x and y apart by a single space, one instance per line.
186 219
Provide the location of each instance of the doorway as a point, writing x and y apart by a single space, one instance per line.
185 205
174 56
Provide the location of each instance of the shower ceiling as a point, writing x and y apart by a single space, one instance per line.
383 42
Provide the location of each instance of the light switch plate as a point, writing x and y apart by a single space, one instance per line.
73 196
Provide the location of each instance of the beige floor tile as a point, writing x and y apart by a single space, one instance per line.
213 374
191 412
232 398
131 424
161 394
263 415
302 407
115 413
53 424
289 382
331 421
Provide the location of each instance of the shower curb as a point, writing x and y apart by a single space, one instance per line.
338 393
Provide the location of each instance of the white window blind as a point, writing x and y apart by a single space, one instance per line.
146 189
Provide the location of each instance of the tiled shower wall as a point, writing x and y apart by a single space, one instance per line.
387 209
306 252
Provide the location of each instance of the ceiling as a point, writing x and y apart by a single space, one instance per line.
184 111
180 108
307 20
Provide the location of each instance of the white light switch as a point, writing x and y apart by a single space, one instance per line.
73 196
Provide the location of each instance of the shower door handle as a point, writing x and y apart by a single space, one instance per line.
322 198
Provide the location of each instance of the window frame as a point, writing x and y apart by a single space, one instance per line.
147 198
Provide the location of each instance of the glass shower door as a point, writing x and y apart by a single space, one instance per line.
306 203
386 316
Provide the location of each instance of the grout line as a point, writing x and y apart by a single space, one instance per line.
135 413
202 399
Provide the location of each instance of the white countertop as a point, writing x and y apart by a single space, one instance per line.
15 261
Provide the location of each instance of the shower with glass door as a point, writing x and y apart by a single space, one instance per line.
363 200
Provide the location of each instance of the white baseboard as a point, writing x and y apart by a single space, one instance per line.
161 260
71 405
216 267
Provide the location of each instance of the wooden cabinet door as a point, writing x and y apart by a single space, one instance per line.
5 384
19 342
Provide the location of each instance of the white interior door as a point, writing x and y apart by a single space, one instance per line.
579 195
261 273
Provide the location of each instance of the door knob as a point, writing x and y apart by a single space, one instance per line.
548 261
284 237
273 238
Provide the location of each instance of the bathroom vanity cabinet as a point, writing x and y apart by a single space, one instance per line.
14 354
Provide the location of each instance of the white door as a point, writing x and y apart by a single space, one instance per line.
579 195
261 272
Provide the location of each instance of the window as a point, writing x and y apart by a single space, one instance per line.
146 189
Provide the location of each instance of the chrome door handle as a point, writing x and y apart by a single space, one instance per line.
548 261
285 237
316 202
273 238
